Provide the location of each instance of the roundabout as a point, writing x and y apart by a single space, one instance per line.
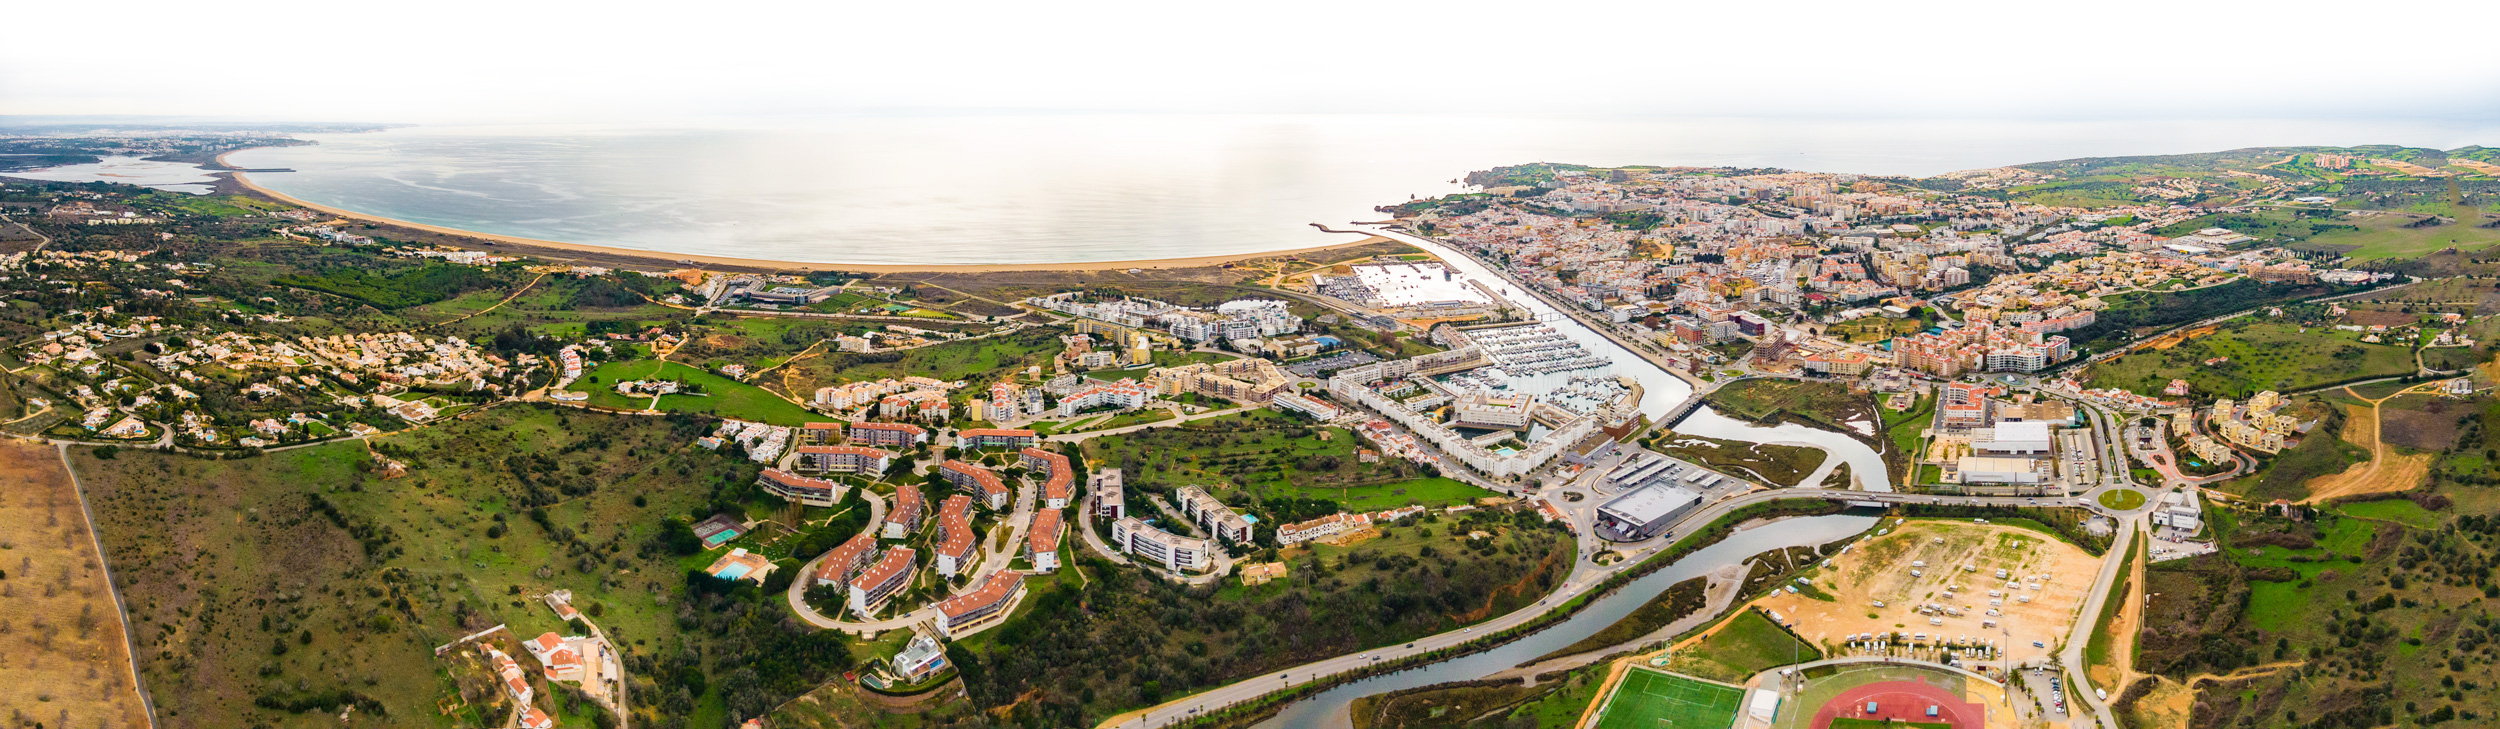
2121 499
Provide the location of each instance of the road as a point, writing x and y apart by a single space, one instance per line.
1585 575
798 587
104 564
2087 618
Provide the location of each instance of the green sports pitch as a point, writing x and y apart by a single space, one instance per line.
1652 700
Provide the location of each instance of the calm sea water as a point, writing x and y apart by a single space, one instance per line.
1035 189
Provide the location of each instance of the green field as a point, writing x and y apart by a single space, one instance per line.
2400 511
979 361
358 578
1271 455
1746 644
724 397
2387 235
2262 355
1655 700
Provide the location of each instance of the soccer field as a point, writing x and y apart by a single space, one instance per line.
1652 700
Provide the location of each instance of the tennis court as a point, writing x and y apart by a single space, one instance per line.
1653 700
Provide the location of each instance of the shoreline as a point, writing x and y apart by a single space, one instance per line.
531 246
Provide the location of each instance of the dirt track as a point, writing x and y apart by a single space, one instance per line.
2385 472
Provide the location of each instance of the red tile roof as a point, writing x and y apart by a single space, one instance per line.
998 586
842 559
955 521
790 480
895 560
1043 535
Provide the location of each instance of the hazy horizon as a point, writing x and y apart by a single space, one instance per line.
482 63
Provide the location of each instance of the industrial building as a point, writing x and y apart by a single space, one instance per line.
1644 512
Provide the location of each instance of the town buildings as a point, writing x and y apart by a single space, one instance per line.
1121 395
1297 403
879 582
1251 381
817 434
843 459
902 518
800 489
1176 553
1327 526
984 438
978 481
957 545
2257 425
840 565
986 604
888 435
1058 476
1219 519
557 657
1109 496
1041 541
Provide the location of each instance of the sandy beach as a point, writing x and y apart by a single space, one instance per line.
515 244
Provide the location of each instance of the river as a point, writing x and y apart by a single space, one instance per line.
1661 391
1331 708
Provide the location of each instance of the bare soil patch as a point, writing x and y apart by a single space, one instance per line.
60 634
2385 472
1879 569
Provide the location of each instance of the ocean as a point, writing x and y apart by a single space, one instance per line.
991 189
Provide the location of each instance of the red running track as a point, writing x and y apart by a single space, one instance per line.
1905 701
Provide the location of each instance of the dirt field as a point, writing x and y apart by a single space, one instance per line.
2386 471
2168 706
1879 568
60 635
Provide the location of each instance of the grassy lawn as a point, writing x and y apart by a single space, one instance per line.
2258 356
1745 645
2122 499
2400 511
726 397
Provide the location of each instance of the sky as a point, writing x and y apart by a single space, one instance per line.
510 61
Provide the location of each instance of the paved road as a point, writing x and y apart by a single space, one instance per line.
993 560
798 587
1585 575
2087 619
1126 429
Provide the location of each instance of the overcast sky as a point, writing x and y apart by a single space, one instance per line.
463 61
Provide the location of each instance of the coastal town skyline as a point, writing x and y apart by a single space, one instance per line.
1583 365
